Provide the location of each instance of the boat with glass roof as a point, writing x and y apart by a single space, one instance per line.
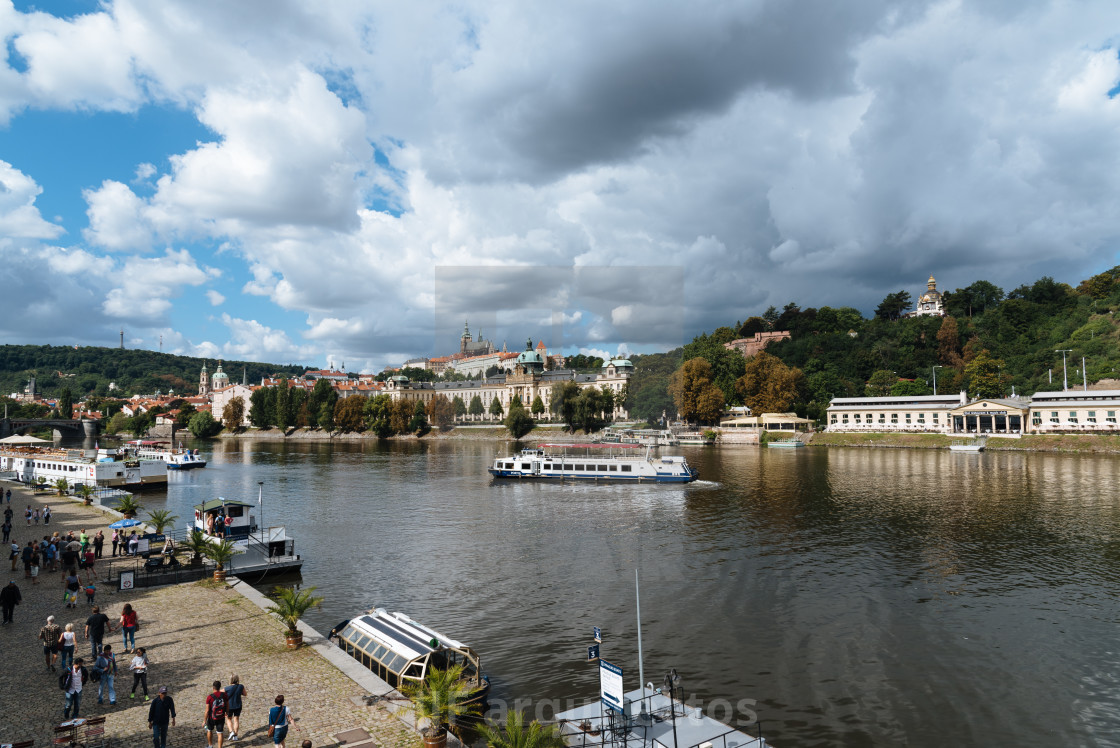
595 462
400 650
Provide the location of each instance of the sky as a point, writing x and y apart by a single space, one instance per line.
351 182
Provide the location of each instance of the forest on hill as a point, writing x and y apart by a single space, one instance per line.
991 343
90 370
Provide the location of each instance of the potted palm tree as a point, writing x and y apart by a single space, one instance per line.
62 486
86 491
441 700
129 506
517 734
40 482
197 544
290 606
220 552
161 519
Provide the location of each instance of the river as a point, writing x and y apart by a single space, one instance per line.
854 597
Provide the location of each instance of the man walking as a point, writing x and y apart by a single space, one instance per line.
75 678
9 599
95 629
160 713
215 716
49 635
106 664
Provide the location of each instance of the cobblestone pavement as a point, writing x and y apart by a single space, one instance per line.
194 633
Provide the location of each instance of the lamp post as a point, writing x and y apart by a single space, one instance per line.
935 368
1065 379
672 682
260 505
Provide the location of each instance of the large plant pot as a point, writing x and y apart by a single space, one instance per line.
435 738
294 640
219 575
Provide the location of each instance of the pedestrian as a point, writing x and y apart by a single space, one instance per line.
50 636
91 591
90 559
279 717
75 678
9 496
160 713
133 543
8 513
106 665
98 543
51 555
95 628
28 515
70 586
139 668
28 550
69 557
14 557
35 556
46 515
84 540
68 644
9 599
116 539
215 715
235 692
35 515
7 528
129 623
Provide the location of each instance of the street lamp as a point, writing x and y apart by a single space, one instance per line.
260 505
673 682
935 368
1065 380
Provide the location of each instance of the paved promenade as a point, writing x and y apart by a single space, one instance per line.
194 633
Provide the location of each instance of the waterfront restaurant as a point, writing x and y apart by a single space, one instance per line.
996 416
1074 411
915 414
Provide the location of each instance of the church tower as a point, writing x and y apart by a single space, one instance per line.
203 382
220 378
465 340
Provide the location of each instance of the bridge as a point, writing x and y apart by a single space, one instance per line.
77 428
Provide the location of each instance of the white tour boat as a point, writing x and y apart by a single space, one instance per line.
99 468
594 462
176 459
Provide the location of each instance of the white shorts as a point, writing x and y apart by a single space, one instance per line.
34 571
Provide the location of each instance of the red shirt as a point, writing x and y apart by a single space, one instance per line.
128 619
214 696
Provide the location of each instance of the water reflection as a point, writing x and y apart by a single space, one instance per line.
862 597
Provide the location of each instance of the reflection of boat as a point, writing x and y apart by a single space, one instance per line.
176 459
613 462
785 443
259 551
976 446
401 651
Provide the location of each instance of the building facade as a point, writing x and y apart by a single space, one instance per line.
750 346
929 304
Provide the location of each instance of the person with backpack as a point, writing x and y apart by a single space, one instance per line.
279 717
106 666
215 715
234 693
71 682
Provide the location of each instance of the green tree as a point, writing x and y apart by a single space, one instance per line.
537 407
321 393
283 405
606 396
326 416
161 519
517 734
443 699
769 386
140 424
460 407
379 415
418 424
984 375
233 414
589 409
262 407
292 604
880 383
66 403
893 306
203 425
563 403
519 422
402 416
183 418
910 388
496 407
349 414
441 411
694 392
476 408
118 424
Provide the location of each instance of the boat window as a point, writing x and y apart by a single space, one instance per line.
602 468
365 659
525 466
395 663
362 643
235 511
379 652
614 468
579 467
626 468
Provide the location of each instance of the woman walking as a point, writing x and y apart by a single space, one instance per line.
139 668
129 622
279 717
46 515
235 692
70 586
68 644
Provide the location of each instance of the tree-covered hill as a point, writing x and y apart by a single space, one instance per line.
90 370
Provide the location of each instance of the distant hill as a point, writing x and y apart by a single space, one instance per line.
90 370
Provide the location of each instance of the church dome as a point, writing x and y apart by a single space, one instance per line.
529 358
619 363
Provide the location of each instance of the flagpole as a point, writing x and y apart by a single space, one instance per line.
260 505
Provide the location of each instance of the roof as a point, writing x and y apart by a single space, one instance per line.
401 634
218 503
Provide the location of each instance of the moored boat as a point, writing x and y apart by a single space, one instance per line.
260 551
594 462
401 651
99 468
176 459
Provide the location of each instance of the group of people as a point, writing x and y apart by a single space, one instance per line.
55 552
223 710
35 515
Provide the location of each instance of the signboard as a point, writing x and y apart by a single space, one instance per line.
610 686
593 653
127 582
143 546
598 634
985 412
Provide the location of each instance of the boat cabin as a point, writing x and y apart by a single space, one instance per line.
401 651
225 518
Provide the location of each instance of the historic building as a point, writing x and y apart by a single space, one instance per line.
930 304
750 346
470 347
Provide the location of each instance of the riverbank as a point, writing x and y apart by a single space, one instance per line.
1058 443
194 633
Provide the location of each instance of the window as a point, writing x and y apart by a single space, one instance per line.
857 417
578 467
1111 416
834 418
907 418
602 468
614 468
935 417
1092 417
1073 416
869 418
1053 416
894 418
626 468
845 418
1036 419
921 418
882 418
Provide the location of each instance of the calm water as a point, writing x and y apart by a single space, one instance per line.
858 597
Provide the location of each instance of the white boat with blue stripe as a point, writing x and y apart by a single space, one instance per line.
593 462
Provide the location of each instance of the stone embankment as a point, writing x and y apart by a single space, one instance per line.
194 634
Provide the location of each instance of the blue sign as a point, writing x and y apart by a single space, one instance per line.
598 634
610 686
593 653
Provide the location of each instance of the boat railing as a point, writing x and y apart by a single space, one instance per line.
610 728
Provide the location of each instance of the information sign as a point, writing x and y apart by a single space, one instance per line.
598 634
593 653
610 686
127 582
